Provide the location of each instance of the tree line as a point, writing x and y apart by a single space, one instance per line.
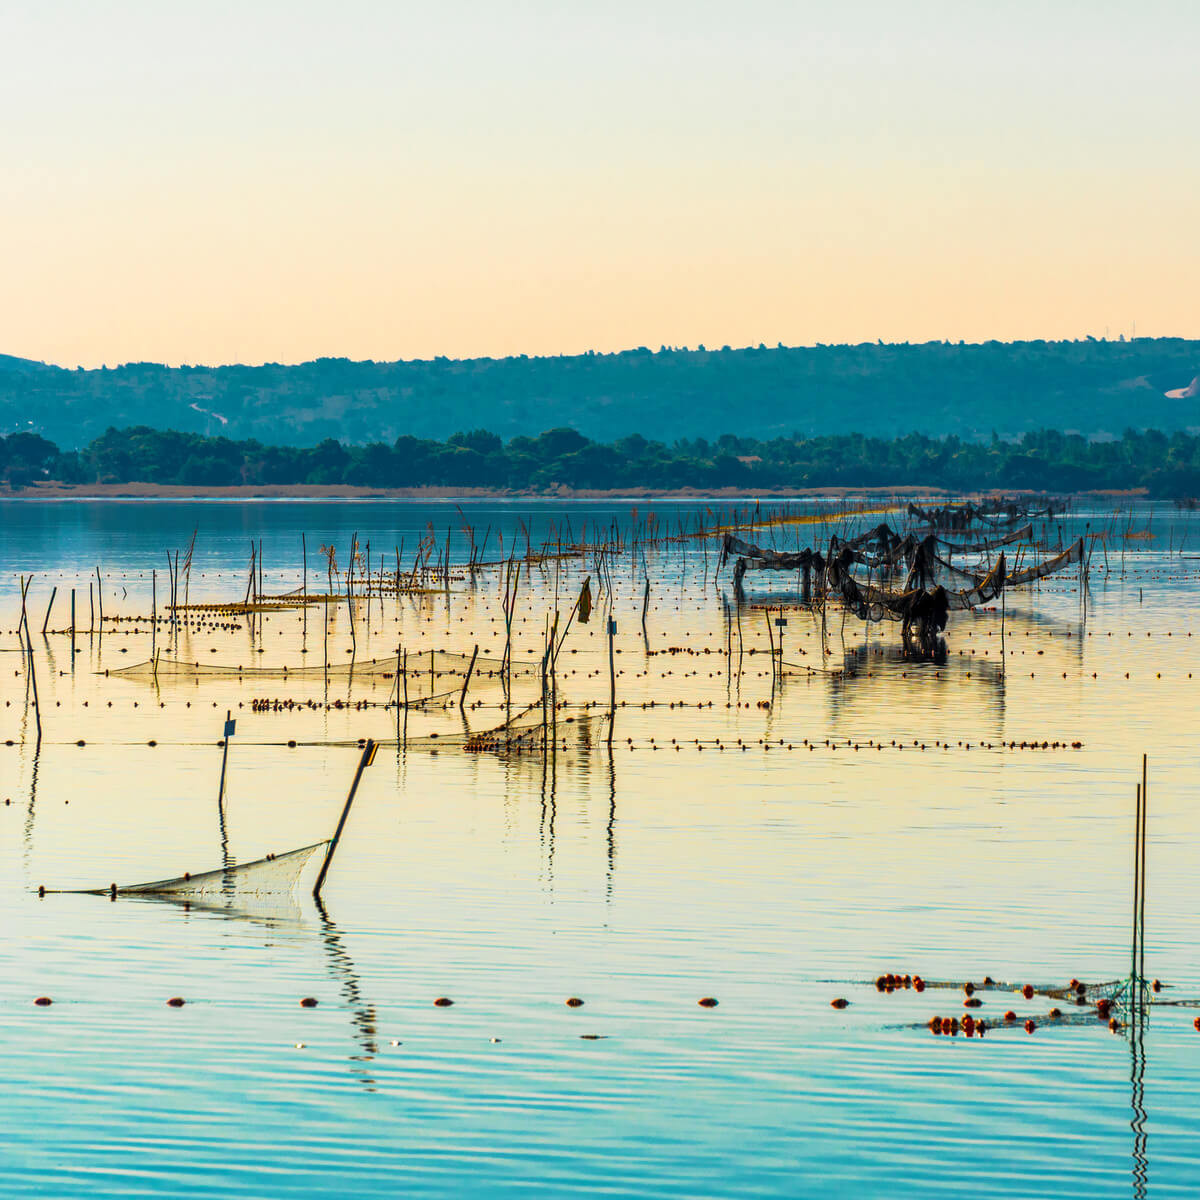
1095 387
1166 465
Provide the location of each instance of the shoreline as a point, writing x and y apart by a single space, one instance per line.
154 491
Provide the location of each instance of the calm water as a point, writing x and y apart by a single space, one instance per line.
774 873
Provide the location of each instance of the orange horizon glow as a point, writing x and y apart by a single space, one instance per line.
389 184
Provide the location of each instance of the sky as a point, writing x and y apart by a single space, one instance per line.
262 181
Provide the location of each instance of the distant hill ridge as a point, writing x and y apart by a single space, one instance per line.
1098 388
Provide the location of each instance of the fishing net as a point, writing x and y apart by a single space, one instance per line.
275 875
530 731
424 670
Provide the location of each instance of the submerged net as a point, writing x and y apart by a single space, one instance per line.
424 670
529 731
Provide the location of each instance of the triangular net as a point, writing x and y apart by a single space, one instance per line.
275 875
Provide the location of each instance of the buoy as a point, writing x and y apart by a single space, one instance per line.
1030 1026
443 1002
840 1002
707 1002
1010 1015
43 1001
1027 991
176 1002
574 1002
308 1002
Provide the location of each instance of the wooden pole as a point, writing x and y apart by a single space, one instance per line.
1142 904
466 682
153 612
400 675
37 708
1003 659
72 623
368 756
100 598
612 681
230 725
53 593
1137 888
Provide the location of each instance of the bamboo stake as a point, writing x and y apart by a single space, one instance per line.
368 757
467 682
1142 905
612 681
53 593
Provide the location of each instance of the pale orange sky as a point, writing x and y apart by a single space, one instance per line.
269 181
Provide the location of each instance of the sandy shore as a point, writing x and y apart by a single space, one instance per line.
156 491
51 490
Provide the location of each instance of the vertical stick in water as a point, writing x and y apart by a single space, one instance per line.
1003 660
37 708
400 675
72 626
230 724
304 560
1142 903
1137 888
612 681
49 607
462 699
91 609
100 598
153 613
368 756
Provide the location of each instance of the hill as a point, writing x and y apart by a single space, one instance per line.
1098 388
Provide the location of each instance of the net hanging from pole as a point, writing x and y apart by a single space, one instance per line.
276 874
264 890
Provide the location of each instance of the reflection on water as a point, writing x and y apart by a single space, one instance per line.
856 812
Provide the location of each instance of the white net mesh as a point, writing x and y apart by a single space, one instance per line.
275 875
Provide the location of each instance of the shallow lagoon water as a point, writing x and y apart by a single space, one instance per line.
771 878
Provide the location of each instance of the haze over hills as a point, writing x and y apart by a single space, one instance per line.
1095 387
